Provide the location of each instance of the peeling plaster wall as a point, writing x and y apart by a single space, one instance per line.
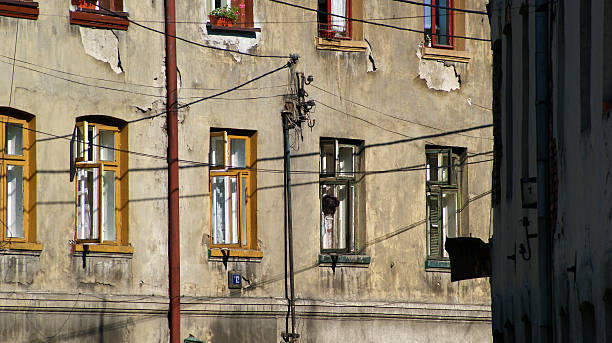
438 75
121 74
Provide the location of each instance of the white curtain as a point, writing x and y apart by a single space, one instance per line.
338 7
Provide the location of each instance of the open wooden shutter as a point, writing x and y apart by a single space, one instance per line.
434 225
245 15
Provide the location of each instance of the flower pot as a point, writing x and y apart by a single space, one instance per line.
220 21
328 34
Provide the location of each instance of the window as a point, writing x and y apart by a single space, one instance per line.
232 190
245 12
92 13
339 195
446 180
26 9
18 175
439 23
101 184
332 26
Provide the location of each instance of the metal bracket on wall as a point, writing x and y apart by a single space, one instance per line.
226 254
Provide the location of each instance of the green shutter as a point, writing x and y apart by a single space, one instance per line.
434 225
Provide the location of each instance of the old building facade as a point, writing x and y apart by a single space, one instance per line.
397 159
551 253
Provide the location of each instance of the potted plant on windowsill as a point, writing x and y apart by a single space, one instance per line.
223 16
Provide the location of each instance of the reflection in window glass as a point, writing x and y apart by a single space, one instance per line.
107 145
14 201
442 20
328 158
238 153
87 205
244 211
234 198
14 139
220 209
449 212
109 232
217 151
345 161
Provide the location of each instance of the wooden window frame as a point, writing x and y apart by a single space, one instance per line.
247 177
28 161
338 178
120 168
451 25
325 30
87 15
438 188
25 9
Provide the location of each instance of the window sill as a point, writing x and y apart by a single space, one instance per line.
19 9
21 246
437 266
234 255
340 45
104 248
344 260
92 18
446 55
248 32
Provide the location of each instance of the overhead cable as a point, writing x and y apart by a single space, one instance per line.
374 23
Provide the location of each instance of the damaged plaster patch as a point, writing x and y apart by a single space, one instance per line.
242 44
102 45
438 75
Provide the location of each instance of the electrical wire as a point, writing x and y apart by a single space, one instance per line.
392 116
114 14
217 94
131 83
374 23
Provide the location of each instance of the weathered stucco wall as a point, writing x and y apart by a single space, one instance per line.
123 77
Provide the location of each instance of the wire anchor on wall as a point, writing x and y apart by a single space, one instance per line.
526 253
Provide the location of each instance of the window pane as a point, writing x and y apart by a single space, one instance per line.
217 151
80 138
234 188
109 231
244 210
14 202
14 139
238 153
107 145
328 158
427 15
338 7
342 218
437 167
345 161
329 204
442 20
449 214
220 209
87 204
433 225
91 141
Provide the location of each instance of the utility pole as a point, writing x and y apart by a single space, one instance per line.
295 112
174 263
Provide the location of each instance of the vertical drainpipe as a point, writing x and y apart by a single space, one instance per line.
543 95
174 313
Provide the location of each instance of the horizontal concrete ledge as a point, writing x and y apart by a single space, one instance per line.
151 305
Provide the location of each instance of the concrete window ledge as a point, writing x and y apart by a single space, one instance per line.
340 45
247 32
446 55
234 255
103 250
20 248
344 260
93 18
437 266
19 9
